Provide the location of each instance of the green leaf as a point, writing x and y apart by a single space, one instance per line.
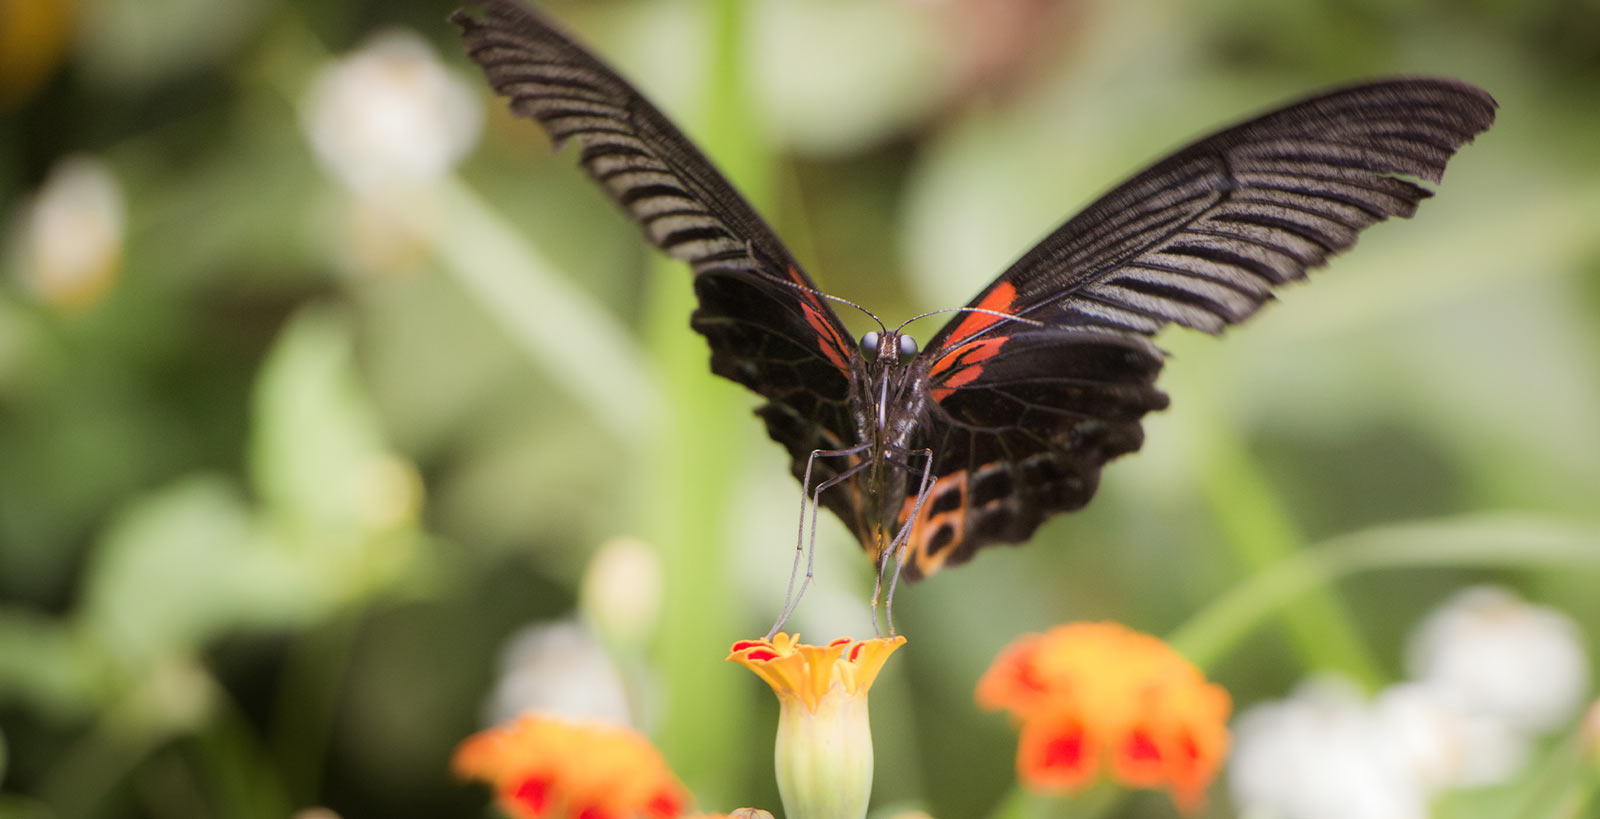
180 566
43 664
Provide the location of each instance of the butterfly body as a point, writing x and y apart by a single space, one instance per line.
888 400
1010 411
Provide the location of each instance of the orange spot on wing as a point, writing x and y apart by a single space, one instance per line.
927 523
999 300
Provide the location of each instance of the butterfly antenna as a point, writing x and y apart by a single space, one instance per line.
815 292
1008 316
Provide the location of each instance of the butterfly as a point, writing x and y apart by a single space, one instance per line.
1007 415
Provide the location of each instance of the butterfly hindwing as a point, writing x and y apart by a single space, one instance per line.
1020 425
1200 239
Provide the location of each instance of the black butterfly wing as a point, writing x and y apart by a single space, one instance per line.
1199 239
1020 425
765 331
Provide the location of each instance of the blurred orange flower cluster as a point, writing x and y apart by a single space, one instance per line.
545 768
1093 693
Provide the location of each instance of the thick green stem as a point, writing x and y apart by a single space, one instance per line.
693 468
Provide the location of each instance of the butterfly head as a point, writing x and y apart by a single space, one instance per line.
888 348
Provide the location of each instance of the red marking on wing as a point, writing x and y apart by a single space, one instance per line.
999 300
797 278
956 381
968 358
969 353
828 337
814 308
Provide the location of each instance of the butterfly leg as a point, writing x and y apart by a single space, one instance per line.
897 547
790 598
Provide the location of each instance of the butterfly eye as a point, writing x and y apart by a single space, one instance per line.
869 345
908 349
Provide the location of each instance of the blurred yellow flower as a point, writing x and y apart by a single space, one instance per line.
823 754
34 35
1093 695
546 768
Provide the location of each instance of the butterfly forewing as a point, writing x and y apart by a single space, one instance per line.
1199 239
766 328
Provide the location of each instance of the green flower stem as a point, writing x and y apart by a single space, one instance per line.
1261 532
307 704
147 716
1565 784
692 468
1097 800
523 291
1476 541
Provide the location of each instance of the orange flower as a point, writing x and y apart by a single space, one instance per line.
1088 694
824 749
540 767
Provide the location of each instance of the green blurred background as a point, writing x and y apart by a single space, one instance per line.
283 470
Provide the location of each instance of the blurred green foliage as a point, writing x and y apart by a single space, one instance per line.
270 504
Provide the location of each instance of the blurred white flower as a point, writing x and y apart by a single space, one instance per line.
621 592
1443 744
1321 754
1503 658
73 234
558 668
390 115
1491 672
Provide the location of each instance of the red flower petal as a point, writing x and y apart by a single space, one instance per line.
533 793
1056 753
